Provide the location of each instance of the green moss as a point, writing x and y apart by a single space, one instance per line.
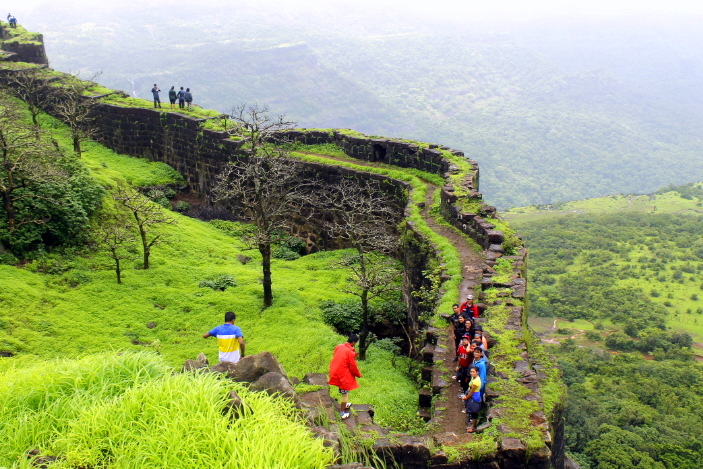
504 270
19 35
121 99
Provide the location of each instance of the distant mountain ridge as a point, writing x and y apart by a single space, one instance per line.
552 113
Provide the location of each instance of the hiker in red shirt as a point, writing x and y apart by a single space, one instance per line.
344 371
465 354
468 308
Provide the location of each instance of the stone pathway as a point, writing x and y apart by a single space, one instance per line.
453 421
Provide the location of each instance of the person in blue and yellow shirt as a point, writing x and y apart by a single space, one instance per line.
230 340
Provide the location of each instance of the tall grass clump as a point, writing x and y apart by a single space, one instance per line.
39 399
134 413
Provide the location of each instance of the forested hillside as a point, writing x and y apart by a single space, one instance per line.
552 113
615 283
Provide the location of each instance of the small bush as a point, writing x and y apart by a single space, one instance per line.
218 282
73 279
293 243
593 335
619 341
8 259
282 252
181 206
344 317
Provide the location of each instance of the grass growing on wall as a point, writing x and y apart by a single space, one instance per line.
107 166
19 34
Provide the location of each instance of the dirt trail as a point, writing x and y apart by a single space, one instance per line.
472 270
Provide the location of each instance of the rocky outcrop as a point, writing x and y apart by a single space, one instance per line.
31 50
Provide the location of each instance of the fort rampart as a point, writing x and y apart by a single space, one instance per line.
199 154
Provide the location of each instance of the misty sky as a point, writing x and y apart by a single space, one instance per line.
449 10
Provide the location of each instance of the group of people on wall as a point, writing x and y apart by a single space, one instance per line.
12 20
184 97
471 357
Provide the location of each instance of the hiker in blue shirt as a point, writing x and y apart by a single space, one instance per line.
181 98
482 364
155 91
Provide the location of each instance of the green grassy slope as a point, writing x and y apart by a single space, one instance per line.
69 304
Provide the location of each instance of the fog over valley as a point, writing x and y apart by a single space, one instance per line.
556 102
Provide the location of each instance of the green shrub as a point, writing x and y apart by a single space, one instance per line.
218 282
593 335
181 206
282 252
293 243
8 259
344 317
619 341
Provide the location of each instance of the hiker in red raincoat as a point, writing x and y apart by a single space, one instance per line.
344 371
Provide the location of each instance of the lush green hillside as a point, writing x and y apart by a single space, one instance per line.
623 273
66 303
552 113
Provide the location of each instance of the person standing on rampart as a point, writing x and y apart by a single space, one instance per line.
172 96
155 91
181 98
188 97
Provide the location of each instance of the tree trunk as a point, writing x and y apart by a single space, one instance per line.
265 250
363 336
77 145
9 211
145 246
118 271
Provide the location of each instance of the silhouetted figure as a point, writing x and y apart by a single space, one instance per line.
181 98
155 91
172 96
188 97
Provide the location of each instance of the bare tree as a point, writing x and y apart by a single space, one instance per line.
147 215
364 215
30 85
266 191
115 235
72 105
258 126
25 160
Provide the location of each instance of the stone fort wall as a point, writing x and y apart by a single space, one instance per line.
199 155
